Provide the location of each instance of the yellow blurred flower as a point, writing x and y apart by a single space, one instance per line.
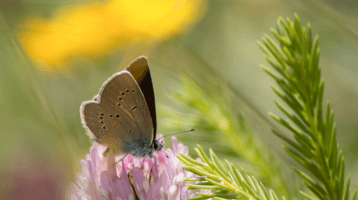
92 29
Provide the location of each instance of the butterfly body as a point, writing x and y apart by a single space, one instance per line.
122 116
141 147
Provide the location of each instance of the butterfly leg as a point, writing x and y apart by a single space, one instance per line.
150 173
143 162
106 152
156 163
120 159
163 149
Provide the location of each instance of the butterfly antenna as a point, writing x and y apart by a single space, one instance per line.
193 129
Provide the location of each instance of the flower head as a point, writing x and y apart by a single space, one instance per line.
160 178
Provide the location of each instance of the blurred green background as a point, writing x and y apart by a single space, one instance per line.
42 138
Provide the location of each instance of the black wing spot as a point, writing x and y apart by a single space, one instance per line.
113 106
123 93
118 104
110 115
127 90
104 127
102 114
101 117
101 133
133 90
134 107
101 122
130 130
117 116
120 98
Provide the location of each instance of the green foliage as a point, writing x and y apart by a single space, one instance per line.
314 145
224 182
211 114
28 86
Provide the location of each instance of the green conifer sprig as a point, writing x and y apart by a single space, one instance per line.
314 145
225 182
211 113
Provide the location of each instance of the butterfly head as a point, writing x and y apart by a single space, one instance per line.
156 145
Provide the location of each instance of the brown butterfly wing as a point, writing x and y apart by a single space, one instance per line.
139 69
119 114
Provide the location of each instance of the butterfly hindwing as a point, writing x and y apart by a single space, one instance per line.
119 114
139 69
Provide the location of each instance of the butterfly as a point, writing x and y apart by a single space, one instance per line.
122 116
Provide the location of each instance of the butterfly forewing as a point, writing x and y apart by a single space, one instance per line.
120 114
139 69
123 92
